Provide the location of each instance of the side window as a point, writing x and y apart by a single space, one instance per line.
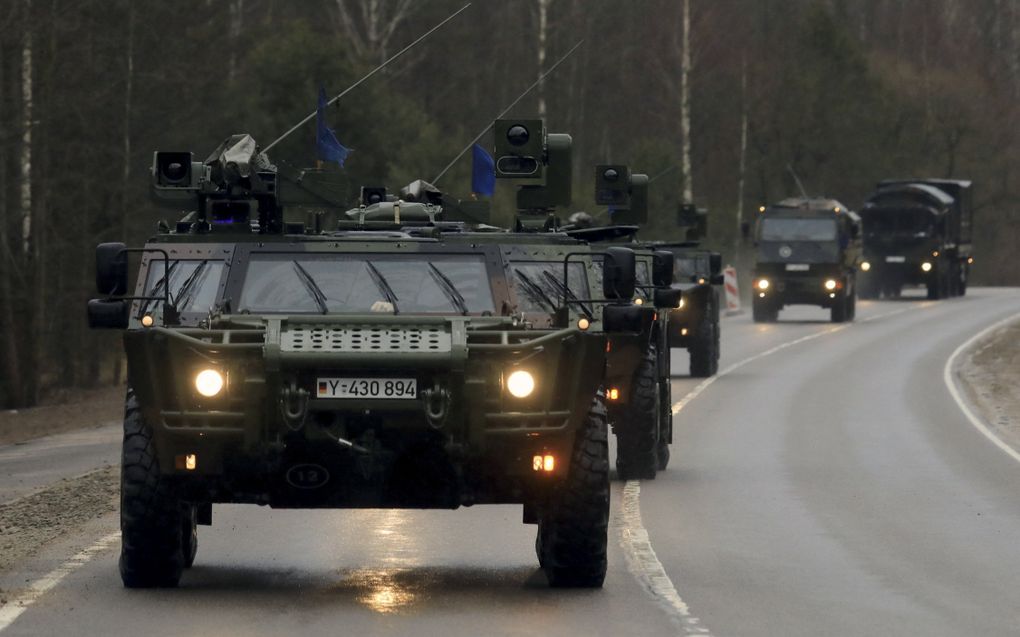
193 285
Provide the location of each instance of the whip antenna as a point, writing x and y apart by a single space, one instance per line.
505 111
370 74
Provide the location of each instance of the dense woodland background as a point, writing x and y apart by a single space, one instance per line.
845 92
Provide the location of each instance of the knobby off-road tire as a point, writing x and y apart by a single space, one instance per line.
840 311
665 423
764 312
638 426
151 515
189 535
573 532
705 350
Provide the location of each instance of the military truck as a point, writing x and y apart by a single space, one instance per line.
917 232
807 252
636 382
391 362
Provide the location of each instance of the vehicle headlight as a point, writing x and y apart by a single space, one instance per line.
865 266
763 284
209 382
520 384
926 266
681 304
830 284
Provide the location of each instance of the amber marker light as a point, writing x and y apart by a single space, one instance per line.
970 259
209 382
147 320
639 301
187 462
583 324
613 394
544 463
865 266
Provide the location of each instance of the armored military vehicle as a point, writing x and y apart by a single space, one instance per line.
807 252
395 361
694 325
917 232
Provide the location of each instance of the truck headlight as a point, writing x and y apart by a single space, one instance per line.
830 284
520 384
763 284
865 266
209 382
926 266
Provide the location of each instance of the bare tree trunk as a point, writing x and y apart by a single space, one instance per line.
11 350
742 163
236 8
685 106
543 27
126 168
26 139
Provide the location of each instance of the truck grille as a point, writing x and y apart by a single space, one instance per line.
365 338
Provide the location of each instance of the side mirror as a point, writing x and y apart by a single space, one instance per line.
108 314
717 279
111 269
667 298
714 263
618 274
662 268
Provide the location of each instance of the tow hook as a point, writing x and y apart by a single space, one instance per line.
294 405
437 405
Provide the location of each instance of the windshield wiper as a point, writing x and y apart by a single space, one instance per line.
184 294
449 289
313 289
536 290
384 287
564 289
160 284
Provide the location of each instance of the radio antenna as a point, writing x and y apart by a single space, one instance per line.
370 74
803 193
505 111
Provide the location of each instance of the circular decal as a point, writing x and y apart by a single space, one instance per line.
785 251
307 476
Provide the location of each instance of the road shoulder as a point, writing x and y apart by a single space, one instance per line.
989 375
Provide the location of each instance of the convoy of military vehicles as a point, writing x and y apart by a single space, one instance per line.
290 347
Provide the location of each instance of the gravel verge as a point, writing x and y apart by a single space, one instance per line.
79 410
990 372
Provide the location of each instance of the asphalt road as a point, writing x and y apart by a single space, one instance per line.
825 484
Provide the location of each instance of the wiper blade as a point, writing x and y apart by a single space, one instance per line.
384 287
536 290
188 288
160 284
313 289
564 289
449 289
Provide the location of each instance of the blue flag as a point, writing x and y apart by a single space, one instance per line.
326 144
483 172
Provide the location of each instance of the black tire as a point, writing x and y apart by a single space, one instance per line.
662 454
189 535
840 308
665 423
964 276
705 351
573 531
852 307
151 517
764 312
638 425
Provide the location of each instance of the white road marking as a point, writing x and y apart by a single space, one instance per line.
947 377
20 603
637 547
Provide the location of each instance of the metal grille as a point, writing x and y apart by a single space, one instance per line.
366 338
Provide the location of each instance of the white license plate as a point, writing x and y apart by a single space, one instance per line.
895 259
797 267
390 388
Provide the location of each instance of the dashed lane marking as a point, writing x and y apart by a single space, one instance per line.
954 391
20 603
637 547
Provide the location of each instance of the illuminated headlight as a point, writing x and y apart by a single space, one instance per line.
830 284
926 266
209 382
763 284
520 384
681 304
865 266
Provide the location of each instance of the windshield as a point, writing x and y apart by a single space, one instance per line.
641 276
904 221
193 284
777 229
539 284
687 267
353 283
